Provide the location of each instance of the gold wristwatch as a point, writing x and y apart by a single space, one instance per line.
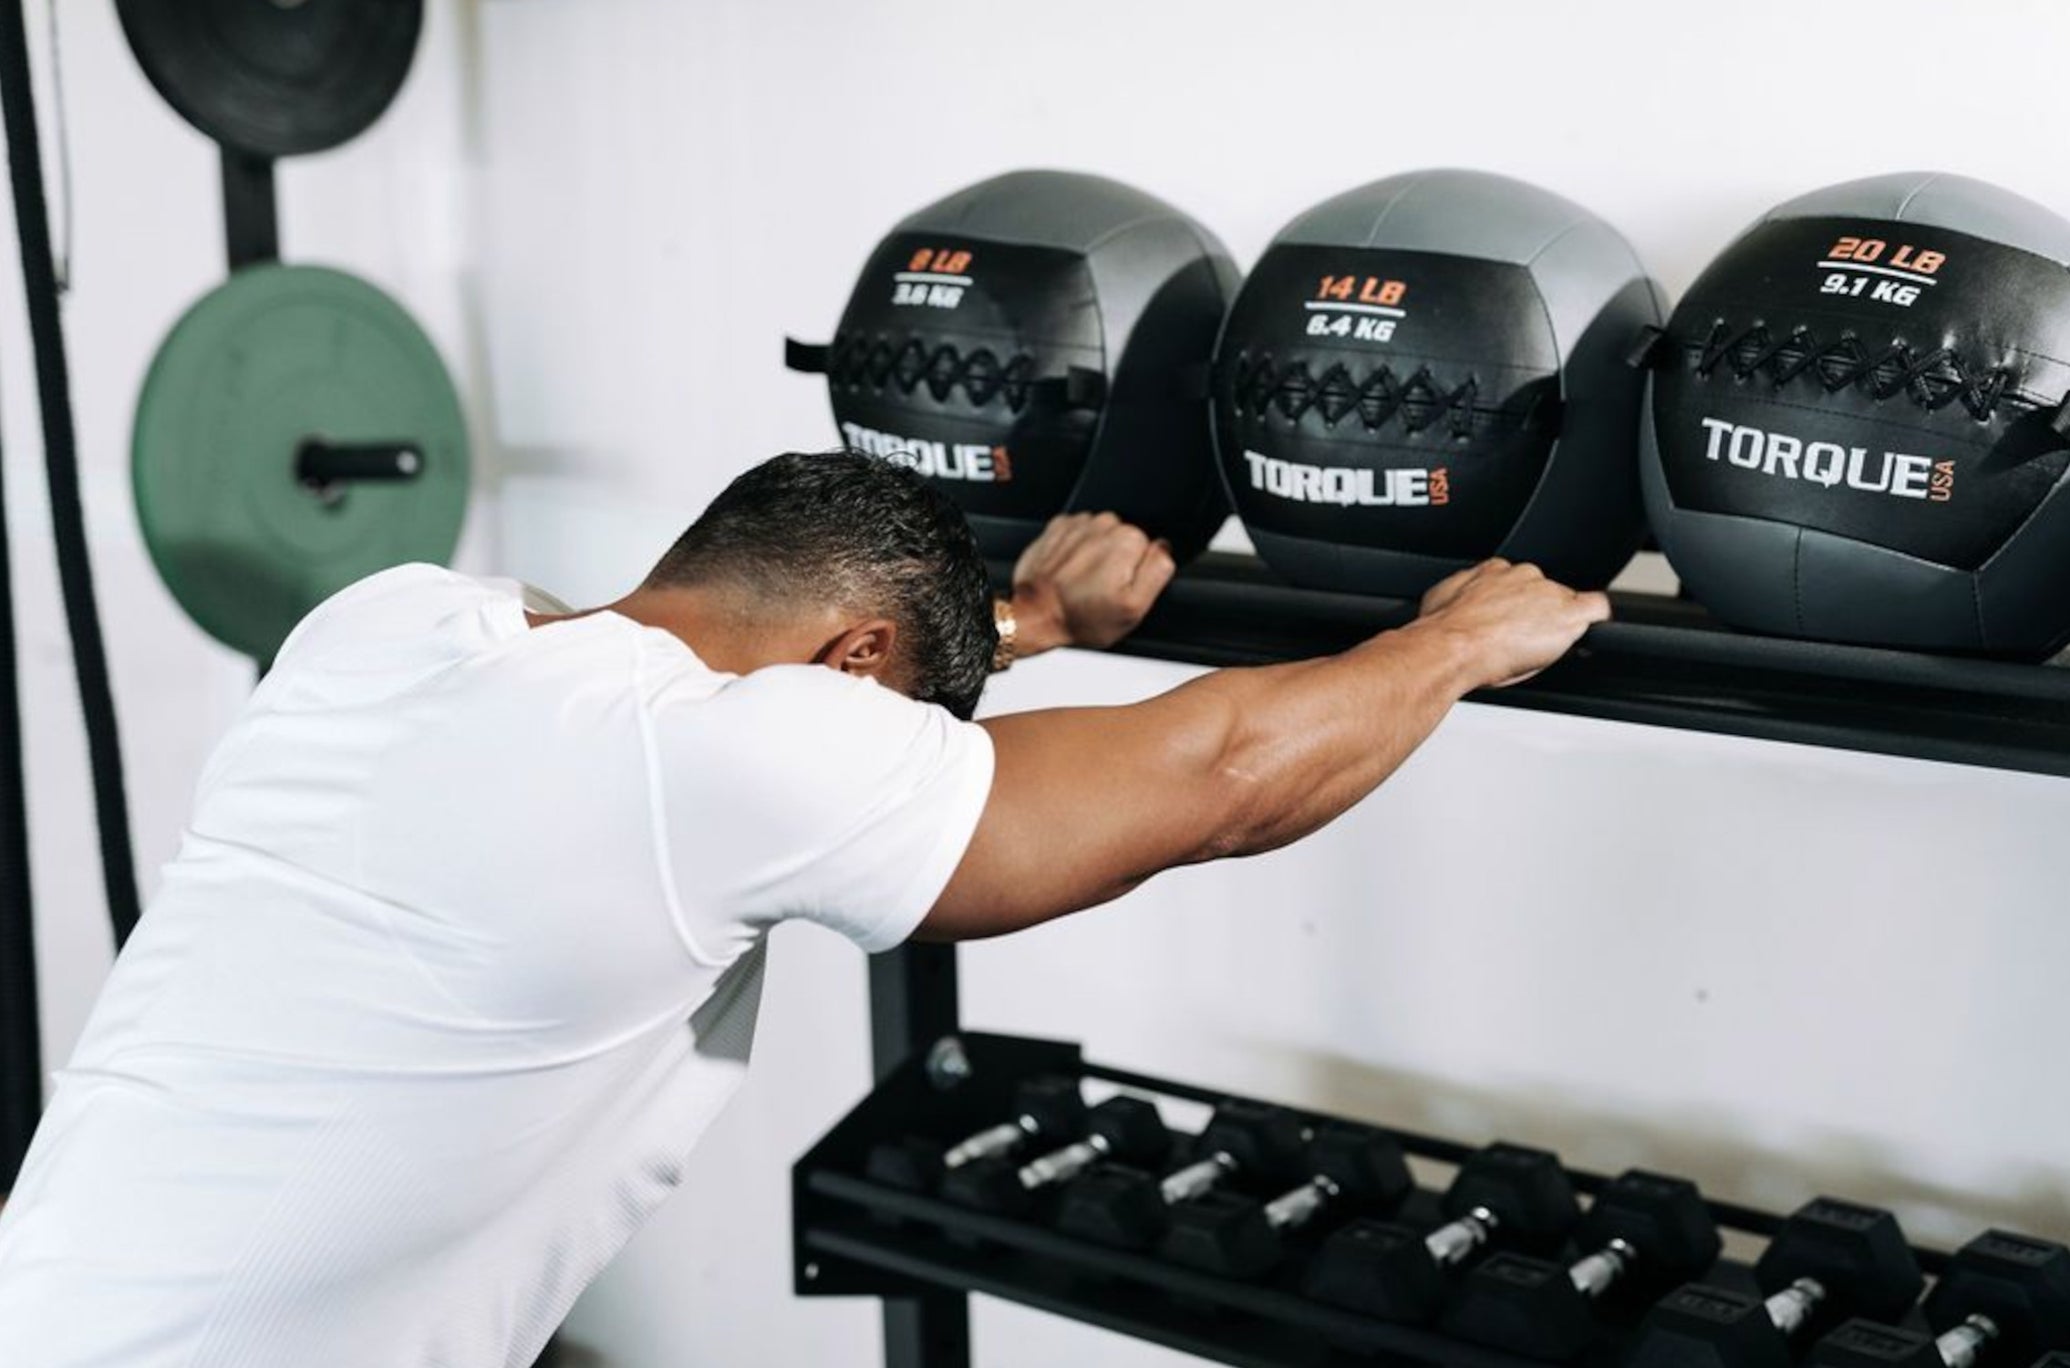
1002 619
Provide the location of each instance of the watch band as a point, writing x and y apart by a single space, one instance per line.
1002 621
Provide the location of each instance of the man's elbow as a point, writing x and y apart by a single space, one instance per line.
1238 801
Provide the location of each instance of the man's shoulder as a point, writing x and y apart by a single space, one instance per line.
403 604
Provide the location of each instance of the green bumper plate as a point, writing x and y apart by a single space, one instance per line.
275 359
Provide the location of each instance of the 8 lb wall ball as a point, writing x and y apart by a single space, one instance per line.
1430 370
1035 344
1855 425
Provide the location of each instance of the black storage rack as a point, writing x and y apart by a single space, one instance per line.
1665 662
1662 661
923 1255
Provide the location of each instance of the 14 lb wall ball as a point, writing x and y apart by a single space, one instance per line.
1035 344
1855 428
1430 370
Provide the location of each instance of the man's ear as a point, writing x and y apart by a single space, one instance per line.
863 650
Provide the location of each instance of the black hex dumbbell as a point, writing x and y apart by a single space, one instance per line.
1124 1128
2002 1299
1831 1259
1511 1193
1117 1204
1646 1232
1350 1168
1049 1108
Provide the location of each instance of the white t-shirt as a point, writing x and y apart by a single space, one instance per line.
460 954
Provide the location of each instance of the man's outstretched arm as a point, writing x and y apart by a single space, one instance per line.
1086 803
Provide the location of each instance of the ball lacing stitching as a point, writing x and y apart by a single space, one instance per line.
1932 379
1258 386
942 369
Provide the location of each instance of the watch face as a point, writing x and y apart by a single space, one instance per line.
1385 398
939 362
1886 382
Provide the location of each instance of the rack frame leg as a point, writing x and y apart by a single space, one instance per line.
914 1003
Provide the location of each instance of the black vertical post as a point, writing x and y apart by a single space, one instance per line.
61 473
21 1039
913 1003
251 216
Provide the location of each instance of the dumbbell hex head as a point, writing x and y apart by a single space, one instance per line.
1127 1127
1664 1219
1520 1304
1526 1190
1050 1103
1379 1269
2021 1284
1124 1205
1534 1307
1701 1326
1131 1129
1387 1271
1268 1143
1861 1343
1054 1103
1356 1166
1366 1164
1222 1232
1115 1204
1857 1254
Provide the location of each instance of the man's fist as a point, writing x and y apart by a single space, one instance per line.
1086 581
1514 620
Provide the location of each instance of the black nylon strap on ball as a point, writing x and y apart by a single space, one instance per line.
806 358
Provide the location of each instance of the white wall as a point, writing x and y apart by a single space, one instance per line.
1776 969
147 241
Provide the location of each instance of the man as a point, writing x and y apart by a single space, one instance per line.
398 1058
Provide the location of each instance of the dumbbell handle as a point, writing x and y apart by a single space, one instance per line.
1194 1179
992 1140
1450 1243
1597 1273
1791 1308
1298 1207
1964 1345
1060 1166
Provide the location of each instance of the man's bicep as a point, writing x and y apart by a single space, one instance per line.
1085 804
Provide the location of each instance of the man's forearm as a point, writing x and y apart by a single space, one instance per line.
1310 740
1088 802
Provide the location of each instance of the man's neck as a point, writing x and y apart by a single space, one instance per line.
718 625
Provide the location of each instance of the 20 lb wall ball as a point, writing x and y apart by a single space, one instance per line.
1855 429
1035 344
1430 370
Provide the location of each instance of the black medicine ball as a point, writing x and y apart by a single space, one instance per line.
1035 344
1431 370
1854 431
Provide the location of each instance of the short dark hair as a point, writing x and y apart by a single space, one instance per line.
863 532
